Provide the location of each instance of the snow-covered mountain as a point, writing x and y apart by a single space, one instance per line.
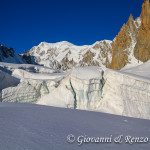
64 55
114 54
129 48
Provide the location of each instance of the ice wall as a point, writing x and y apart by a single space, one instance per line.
110 91
88 92
126 94
136 98
28 91
81 89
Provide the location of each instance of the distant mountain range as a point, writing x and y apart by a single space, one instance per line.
129 48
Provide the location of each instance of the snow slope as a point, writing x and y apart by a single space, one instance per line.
141 70
33 127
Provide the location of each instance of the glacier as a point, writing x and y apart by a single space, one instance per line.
125 92
105 90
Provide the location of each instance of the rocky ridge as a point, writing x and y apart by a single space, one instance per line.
132 42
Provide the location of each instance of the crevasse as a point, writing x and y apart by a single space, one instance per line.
74 95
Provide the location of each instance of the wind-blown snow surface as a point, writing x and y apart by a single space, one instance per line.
33 127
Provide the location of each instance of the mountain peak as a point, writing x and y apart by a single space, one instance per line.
145 8
146 2
131 17
130 20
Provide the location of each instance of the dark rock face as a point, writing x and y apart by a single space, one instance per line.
6 52
27 58
13 57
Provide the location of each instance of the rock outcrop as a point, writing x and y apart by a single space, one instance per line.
133 40
142 48
121 47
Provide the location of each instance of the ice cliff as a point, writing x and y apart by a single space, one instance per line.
126 94
81 89
116 92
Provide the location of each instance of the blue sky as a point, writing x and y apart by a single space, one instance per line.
26 23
